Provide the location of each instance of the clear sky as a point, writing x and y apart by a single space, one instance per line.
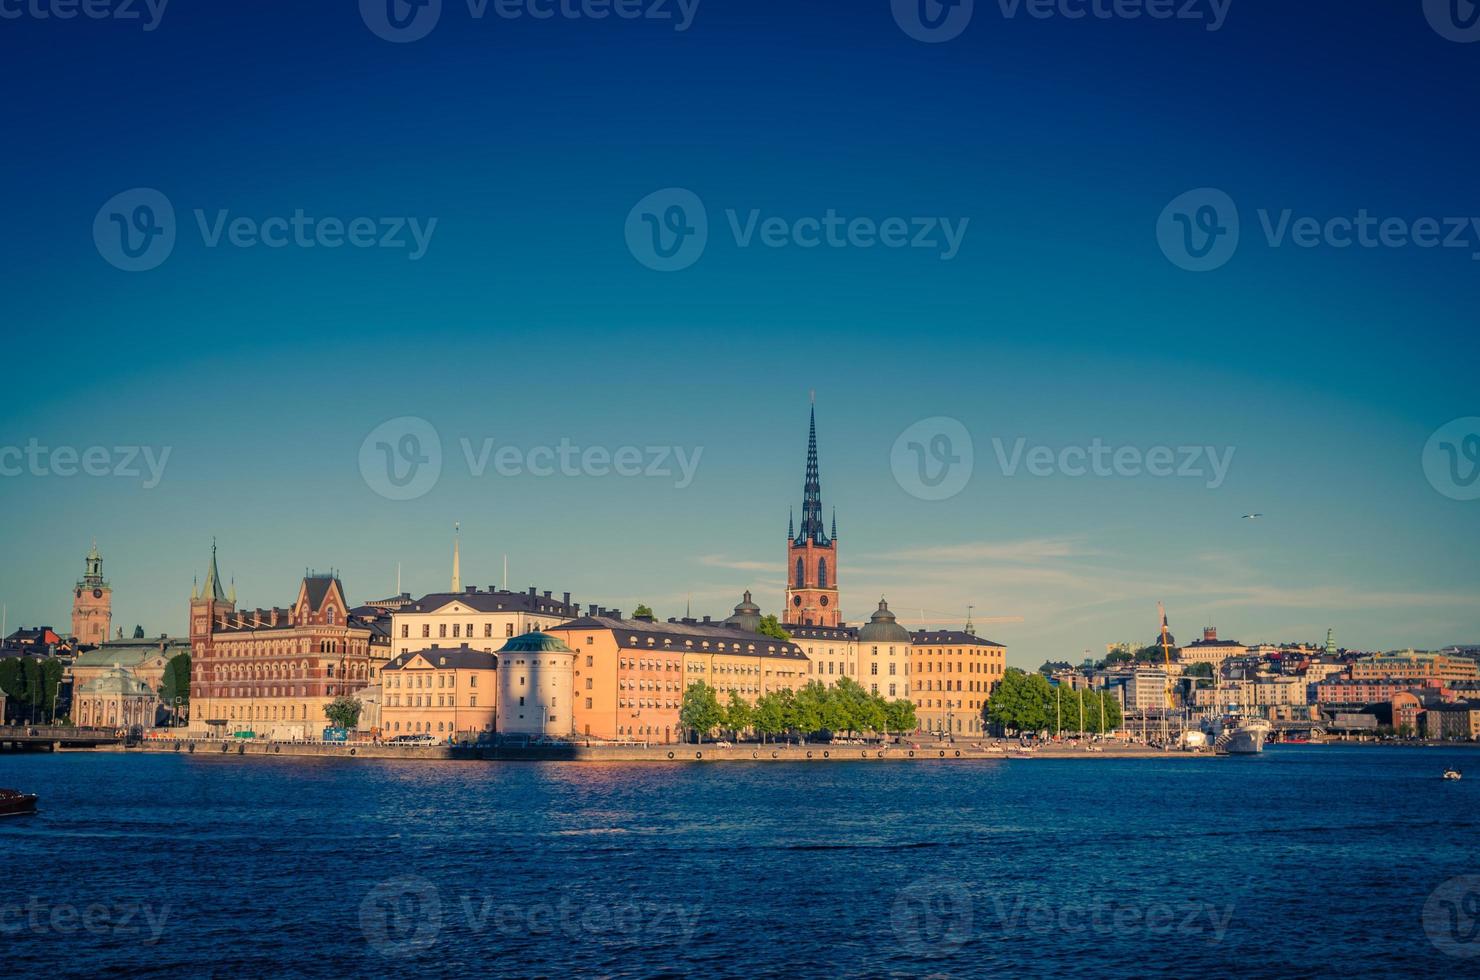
1058 319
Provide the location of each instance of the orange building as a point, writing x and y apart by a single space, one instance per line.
92 603
953 673
630 674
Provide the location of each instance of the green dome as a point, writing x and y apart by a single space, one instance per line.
883 628
536 643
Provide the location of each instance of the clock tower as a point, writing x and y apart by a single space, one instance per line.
812 554
92 603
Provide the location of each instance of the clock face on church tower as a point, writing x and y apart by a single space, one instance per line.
97 593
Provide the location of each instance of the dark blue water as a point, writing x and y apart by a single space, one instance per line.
1305 861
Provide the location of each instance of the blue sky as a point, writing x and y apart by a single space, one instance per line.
1056 143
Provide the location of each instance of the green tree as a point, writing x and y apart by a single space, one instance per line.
807 708
739 715
1022 702
899 716
770 717
701 711
643 611
176 682
771 626
1198 670
343 711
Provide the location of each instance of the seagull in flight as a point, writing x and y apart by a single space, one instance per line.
1252 517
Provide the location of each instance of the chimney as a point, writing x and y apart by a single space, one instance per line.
472 590
591 610
567 599
547 593
532 593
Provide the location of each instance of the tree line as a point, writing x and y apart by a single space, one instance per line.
1029 703
844 707
31 685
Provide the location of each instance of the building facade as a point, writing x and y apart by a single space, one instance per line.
536 686
630 674
115 699
1435 666
92 602
271 672
448 692
481 619
953 673
1210 649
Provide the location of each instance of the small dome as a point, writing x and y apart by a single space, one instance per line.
883 628
747 615
536 643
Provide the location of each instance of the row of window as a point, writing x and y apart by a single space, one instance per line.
423 679
425 701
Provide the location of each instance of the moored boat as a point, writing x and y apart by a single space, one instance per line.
14 803
1453 774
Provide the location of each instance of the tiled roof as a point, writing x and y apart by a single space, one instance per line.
943 637
456 658
495 600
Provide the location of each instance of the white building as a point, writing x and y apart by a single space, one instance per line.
484 620
536 686
1211 650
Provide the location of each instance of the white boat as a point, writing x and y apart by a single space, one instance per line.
1453 774
1236 734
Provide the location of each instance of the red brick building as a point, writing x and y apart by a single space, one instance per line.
812 555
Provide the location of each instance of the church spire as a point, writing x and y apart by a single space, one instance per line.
212 587
812 528
456 558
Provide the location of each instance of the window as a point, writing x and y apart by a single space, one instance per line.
442 630
426 630
473 701
405 631
487 630
508 629
521 700
588 708
469 633
590 661
801 574
456 629
873 669
822 573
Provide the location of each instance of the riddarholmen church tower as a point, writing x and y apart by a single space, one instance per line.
812 555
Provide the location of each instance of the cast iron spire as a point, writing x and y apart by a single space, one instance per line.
812 527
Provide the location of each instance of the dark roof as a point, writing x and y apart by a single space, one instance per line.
635 634
494 600
535 642
821 632
318 588
956 637
457 658
882 627
1210 643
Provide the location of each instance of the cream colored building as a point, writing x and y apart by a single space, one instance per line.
1210 649
116 699
884 655
536 686
447 692
484 620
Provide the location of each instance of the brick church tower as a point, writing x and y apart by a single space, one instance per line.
812 555
207 603
92 603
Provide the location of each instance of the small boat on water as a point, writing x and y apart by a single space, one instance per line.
1453 774
14 803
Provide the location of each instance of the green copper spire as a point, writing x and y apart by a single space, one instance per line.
212 587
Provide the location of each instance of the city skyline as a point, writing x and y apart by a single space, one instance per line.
1056 311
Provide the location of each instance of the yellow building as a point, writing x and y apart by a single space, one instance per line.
884 655
484 620
953 673
1426 666
447 692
